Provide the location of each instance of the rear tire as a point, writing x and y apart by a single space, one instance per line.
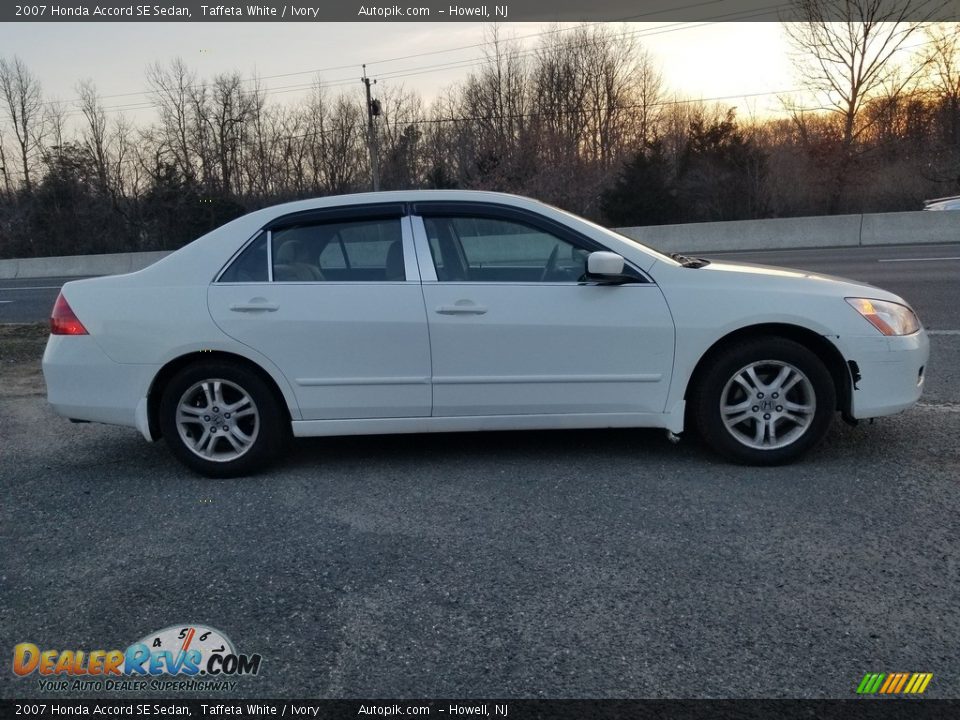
766 401
221 420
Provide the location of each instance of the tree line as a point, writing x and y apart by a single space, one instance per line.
583 120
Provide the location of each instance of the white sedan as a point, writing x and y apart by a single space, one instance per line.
440 311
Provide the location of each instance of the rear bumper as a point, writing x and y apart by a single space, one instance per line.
84 384
892 371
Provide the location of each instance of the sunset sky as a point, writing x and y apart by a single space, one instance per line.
746 64
698 59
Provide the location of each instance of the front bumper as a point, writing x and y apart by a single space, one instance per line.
84 384
892 371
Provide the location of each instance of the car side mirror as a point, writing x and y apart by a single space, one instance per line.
604 263
607 268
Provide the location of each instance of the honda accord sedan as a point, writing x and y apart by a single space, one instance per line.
451 311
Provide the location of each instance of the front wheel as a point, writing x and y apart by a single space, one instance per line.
764 402
221 419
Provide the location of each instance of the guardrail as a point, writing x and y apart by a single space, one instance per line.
773 234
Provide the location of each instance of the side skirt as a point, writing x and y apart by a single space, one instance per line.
389 426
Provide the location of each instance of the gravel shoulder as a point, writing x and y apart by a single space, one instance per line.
569 564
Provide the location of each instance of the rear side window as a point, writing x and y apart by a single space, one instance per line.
351 251
250 265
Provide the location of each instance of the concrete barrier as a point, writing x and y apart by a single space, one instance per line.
911 227
902 228
774 234
78 265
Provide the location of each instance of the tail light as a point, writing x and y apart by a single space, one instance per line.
63 321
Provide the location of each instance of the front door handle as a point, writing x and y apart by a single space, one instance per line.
464 309
255 305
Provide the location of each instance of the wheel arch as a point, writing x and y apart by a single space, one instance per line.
168 371
826 351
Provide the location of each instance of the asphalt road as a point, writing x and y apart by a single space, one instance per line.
561 564
25 300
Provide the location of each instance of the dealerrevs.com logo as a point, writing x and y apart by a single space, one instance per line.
180 657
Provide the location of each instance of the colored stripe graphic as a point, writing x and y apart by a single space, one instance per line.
870 683
894 683
891 680
914 682
900 682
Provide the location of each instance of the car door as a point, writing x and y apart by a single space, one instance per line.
515 331
333 299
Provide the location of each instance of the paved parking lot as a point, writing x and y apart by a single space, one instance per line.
562 564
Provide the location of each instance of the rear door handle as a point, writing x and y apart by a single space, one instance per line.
255 305
461 310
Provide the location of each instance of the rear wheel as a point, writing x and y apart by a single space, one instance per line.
764 402
221 420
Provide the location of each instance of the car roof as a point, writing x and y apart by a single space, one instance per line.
403 196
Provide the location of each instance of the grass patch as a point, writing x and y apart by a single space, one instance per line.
21 349
23 342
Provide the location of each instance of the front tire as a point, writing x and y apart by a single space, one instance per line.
221 419
764 402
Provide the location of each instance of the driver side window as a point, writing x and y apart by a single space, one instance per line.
483 249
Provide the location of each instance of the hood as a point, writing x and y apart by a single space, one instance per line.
770 277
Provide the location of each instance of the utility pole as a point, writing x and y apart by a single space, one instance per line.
373 110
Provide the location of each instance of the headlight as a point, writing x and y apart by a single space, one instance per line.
890 318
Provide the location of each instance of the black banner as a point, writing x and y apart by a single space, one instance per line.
443 10
873 709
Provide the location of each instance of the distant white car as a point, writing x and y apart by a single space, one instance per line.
944 203
436 311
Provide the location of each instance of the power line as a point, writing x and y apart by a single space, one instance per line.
726 16
544 33
552 113
420 70
422 54
476 62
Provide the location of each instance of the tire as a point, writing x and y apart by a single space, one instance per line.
766 401
239 438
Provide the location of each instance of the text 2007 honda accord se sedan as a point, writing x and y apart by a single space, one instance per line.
435 311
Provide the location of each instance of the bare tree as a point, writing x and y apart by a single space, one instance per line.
95 134
486 118
336 141
401 135
7 185
23 101
125 171
292 152
172 87
943 40
612 73
649 102
55 129
261 161
845 53
229 110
